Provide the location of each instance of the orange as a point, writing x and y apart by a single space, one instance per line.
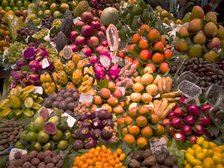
163 39
143 43
132 47
142 143
152 66
136 62
134 130
128 120
164 67
147 132
97 100
141 121
167 54
127 58
159 130
154 119
133 112
144 28
157 58
143 110
153 35
124 131
135 38
120 121
128 138
145 55
158 46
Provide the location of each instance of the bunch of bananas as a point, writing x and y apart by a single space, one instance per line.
47 83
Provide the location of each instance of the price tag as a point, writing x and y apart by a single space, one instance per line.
122 89
14 151
70 120
76 20
49 111
98 109
38 90
157 145
157 96
45 63
85 98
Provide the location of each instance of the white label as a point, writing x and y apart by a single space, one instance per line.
157 145
15 150
105 61
98 109
122 89
157 96
76 20
70 120
85 98
45 63
38 90
49 111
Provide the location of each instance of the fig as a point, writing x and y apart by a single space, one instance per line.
44 113
97 124
50 128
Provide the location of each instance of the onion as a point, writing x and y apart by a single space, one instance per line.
193 109
176 122
171 114
179 136
189 119
178 112
186 130
193 139
182 100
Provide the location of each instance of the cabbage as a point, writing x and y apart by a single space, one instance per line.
99 71
114 72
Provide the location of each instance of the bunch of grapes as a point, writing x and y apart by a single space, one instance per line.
47 22
15 52
41 34
23 33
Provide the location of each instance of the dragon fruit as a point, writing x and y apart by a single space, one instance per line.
114 72
35 65
99 71
30 53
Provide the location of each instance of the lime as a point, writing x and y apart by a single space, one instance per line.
67 135
57 136
31 136
42 137
37 147
62 145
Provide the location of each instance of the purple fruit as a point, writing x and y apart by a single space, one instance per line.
178 112
108 122
80 40
176 122
87 17
83 133
96 133
113 139
95 25
87 51
107 132
97 124
87 123
79 24
101 35
171 114
78 144
104 114
205 108
90 143
193 139
193 109
94 59
73 47
50 128
199 129
73 35
179 136
44 114
90 115
206 121
87 31
189 119
105 43
186 130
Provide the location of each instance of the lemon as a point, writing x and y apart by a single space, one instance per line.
212 144
205 144
198 167
208 163
216 159
195 162
218 154
196 147
188 166
185 162
209 153
200 140
200 156
217 149
219 166
190 150
204 150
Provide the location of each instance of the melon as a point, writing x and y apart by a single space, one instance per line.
109 16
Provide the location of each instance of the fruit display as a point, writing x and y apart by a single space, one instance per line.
204 154
46 132
66 100
36 159
20 102
187 125
100 156
93 127
146 158
202 37
9 132
110 83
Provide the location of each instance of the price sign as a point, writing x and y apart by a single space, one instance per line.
70 120
45 63
38 90
157 145
85 98
14 151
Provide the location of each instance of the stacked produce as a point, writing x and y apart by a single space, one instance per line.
146 158
101 4
20 102
47 83
190 123
94 127
46 132
199 39
100 156
66 100
36 160
204 154
9 132
82 108
4 36
109 98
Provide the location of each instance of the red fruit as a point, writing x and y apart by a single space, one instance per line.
144 55
93 41
158 46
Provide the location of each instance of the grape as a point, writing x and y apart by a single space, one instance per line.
15 52
47 22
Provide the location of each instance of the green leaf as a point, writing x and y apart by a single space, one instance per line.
103 84
25 68
69 159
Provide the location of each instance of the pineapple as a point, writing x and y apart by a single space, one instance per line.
69 67
77 76
62 77
58 64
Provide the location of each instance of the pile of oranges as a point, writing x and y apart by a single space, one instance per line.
139 125
100 157
151 45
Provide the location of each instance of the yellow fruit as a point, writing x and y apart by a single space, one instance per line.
217 149
200 140
188 166
185 162
137 79
200 156
15 101
196 147
190 150
219 166
136 97
198 166
138 87
191 159
218 154
208 163
216 159
205 144
146 79
204 150
209 153
146 98
152 89
212 144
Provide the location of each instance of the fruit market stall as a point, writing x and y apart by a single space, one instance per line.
110 83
